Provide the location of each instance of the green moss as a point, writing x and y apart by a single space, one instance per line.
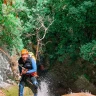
13 91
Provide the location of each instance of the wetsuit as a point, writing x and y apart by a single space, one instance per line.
27 79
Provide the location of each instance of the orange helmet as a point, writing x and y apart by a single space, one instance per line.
24 51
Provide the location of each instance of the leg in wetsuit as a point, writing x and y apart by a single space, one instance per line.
30 82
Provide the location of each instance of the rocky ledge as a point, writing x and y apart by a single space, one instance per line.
79 94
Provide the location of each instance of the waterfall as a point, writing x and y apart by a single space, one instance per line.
44 89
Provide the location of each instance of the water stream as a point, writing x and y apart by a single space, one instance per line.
44 89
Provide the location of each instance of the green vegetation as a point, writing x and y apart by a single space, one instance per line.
63 30
10 25
13 90
88 51
10 91
67 26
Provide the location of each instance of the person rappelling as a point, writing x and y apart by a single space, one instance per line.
28 72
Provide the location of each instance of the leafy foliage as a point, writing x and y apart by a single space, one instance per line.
11 28
72 35
88 51
73 26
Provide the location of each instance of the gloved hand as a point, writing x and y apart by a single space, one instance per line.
24 71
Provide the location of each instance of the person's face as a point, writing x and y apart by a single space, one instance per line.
24 57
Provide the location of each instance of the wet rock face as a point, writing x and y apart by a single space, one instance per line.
5 70
82 84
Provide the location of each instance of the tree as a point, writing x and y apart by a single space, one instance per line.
37 24
10 26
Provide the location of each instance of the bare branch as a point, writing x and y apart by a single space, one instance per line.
29 35
46 29
47 42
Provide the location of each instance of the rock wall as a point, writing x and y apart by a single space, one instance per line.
5 71
82 84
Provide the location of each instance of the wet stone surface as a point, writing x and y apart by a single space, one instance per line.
4 70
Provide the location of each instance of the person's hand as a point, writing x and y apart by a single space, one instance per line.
20 74
24 71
